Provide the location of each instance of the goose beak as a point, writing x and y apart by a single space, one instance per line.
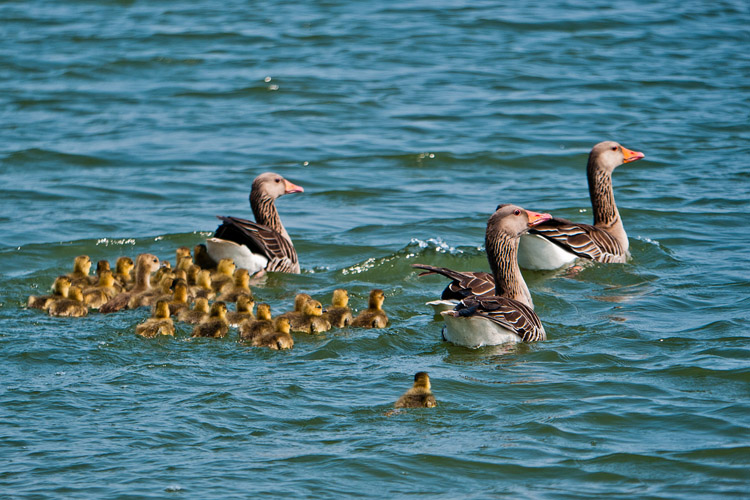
292 188
628 155
536 218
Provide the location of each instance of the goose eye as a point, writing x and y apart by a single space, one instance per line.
516 212
278 180
614 148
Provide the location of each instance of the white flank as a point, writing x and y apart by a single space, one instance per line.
537 253
241 255
475 331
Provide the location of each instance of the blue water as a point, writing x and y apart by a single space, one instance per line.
126 126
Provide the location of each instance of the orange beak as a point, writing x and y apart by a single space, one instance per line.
292 188
628 155
536 218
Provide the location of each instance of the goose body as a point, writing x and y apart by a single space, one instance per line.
374 316
263 245
420 395
559 242
158 324
216 326
508 314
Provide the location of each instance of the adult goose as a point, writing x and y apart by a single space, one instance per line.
505 316
504 266
263 244
558 242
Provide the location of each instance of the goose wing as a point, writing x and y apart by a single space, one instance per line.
583 240
508 313
262 240
464 284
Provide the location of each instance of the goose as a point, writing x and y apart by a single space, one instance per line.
70 306
123 266
250 329
105 290
310 319
202 287
339 314
420 395
198 314
263 245
238 287
224 274
278 339
373 316
59 290
146 264
179 300
80 275
158 324
243 311
216 325
559 242
489 320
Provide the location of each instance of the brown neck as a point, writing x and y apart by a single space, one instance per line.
142 279
606 215
502 253
264 210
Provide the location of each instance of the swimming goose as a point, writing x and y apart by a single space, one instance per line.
243 311
71 306
497 319
339 314
202 258
162 291
420 395
279 339
198 314
59 290
158 324
263 324
146 264
224 274
203 286
123 267
263 244
309 319
373 316
239 287
216 325
105 290
179 300
558 242
101 266
80 275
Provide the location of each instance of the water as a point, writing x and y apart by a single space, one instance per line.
126 126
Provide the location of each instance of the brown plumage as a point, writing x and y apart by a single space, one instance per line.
223 275
146 264
59 290
310 319
420 395
123 268
374 316
203 286
71 306
261 325
104 291
338 314
266 237
243 311
605 240
202 258
162 291
80 275
216 326
240 286
278 339
198 314
179 297
158 324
